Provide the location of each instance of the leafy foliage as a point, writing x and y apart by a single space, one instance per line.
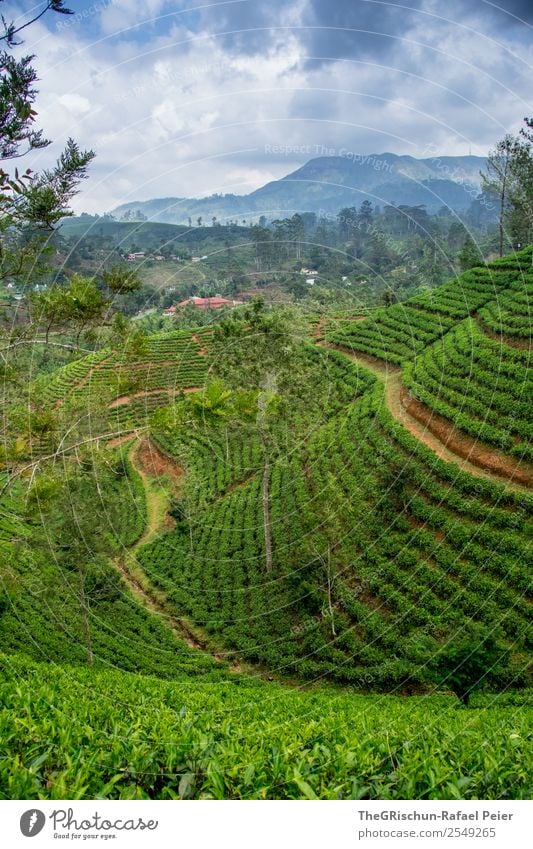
119 736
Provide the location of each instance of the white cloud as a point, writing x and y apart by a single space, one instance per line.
75 104
188 114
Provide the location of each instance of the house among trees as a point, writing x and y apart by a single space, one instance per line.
212 303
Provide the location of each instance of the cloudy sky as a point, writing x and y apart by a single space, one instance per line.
189 97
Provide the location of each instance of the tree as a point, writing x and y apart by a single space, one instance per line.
521 196
469 256
44 200
84 306
121 281
364 219
389 297
498 178
297 233
49 306
334 515
262 239
81 305
12 29
31 203
527 131
262 356
469 661
347 220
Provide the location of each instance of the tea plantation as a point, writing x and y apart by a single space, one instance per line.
260 603
78 734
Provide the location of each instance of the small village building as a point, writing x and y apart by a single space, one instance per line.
213 303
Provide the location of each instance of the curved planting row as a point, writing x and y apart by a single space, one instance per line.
484 387
511 313
377 544
462 296
215 459
400 332
64 381
393 334
169 363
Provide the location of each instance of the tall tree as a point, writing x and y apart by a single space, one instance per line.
262 355
469 256
498 178
521 196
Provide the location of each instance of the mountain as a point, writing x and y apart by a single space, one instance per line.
326 184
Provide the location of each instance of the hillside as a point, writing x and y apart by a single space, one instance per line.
400 517
385 473
328 183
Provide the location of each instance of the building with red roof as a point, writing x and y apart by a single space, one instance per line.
212 303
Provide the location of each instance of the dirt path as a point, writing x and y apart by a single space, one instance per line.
150 464
440 435
504 338
120 440
202 350
317 330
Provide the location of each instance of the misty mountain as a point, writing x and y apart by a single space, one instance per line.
326 184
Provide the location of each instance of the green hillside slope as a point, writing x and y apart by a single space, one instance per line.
400 332
397 475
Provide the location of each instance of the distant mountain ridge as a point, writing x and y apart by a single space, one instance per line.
328 183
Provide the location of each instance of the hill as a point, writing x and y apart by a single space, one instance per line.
367 432
400 520
329 183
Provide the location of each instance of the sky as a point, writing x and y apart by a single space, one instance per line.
188 99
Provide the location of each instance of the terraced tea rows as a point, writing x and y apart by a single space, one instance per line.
400 332
511 314
132 387
483 386
417 549
57 609
70 378
393 334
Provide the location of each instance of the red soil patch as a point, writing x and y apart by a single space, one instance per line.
156 464
122 400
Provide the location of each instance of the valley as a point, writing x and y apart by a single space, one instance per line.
387 538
